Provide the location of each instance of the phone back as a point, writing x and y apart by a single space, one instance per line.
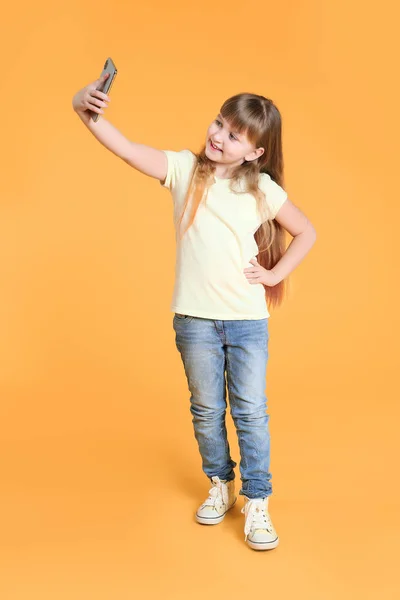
105 86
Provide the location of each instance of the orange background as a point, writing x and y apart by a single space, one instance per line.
100 470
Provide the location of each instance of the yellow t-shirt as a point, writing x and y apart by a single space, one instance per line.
210 258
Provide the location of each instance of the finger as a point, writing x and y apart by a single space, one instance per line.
102 78
94 100
101 95
94 108
97 98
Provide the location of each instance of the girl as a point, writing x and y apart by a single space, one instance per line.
230 216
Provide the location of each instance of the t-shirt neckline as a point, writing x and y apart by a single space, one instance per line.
223 178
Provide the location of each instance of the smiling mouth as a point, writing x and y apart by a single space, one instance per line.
215 147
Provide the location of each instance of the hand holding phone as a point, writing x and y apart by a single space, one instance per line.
94 97
105 81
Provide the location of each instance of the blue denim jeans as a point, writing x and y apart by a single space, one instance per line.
228 354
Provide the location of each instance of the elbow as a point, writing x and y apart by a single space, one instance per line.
311 233
311 230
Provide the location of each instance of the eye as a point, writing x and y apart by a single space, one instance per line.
218 122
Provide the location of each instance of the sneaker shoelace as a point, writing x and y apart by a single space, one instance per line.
217 494
257 516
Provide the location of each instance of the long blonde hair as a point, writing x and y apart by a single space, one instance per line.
260 120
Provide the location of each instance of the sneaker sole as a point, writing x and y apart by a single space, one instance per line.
263 545
213 520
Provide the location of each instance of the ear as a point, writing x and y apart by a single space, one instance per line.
254 154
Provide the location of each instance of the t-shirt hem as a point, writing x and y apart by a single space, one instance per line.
218 316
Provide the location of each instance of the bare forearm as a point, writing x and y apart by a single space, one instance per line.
143 158
298 248
107 135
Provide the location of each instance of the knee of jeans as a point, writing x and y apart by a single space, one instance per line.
207 413
249 413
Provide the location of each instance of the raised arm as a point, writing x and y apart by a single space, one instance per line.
147 160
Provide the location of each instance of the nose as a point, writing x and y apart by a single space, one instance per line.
217 138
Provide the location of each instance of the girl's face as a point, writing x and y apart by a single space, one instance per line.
232 148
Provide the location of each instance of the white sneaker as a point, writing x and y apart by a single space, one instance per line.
259 532
221 498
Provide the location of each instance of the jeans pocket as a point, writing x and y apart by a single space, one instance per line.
183 318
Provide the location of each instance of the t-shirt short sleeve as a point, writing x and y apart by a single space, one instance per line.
178 170
275 195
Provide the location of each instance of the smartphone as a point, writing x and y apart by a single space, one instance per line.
109 67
